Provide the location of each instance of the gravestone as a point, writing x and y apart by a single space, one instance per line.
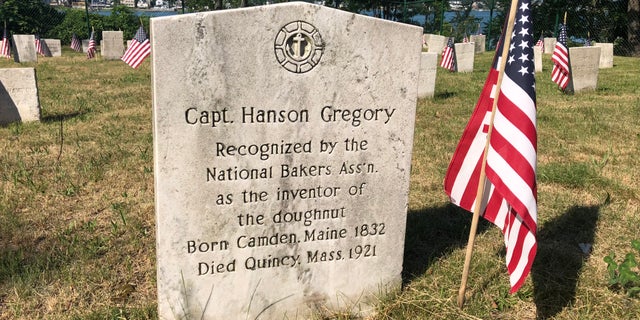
288 195
24 48
549 44
112 45
606 54
584 67
479 40
464 56
18 96
537 58
85 45
435 43
54 47
427 80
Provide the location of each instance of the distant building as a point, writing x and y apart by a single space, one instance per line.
128 3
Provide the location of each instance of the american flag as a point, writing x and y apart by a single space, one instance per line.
560 73
465 39
91 51
5 49
509 198
41 47
449 56
139 49
540 43
75 43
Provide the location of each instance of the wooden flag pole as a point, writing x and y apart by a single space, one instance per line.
483 176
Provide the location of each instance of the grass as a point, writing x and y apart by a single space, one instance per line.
77 218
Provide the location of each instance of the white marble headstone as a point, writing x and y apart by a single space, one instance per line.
479 40
537 58
465 55
112 45
18 96
549 44
435 43
606 54
24 48
584 67
54 47
282 149
428 70
85 45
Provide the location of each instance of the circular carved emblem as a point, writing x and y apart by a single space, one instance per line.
298 46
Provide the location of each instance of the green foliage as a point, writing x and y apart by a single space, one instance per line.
603 21
30 17
121 18
75 21
625 276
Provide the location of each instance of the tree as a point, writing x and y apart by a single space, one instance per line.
30 16
633 31
122 18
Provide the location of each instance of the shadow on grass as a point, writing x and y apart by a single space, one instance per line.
444 95
432 233
61 117
559 259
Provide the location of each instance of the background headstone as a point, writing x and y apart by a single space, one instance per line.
24 48
54 47
464 56
427 80
18 96
584 67
606 54
288 195
85 45
537 58
435 43
549 44
112 45
479 40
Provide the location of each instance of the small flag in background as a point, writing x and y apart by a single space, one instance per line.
449 56
540 43
587 43
91 51
139 49
5 49
41 47
76 45
465 39
560 73
509 199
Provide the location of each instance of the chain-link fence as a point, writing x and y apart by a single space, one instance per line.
616 22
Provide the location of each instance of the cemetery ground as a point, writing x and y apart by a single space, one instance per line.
77 234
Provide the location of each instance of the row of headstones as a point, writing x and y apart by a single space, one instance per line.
435 43
606 51
24 50
429 62
585 61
